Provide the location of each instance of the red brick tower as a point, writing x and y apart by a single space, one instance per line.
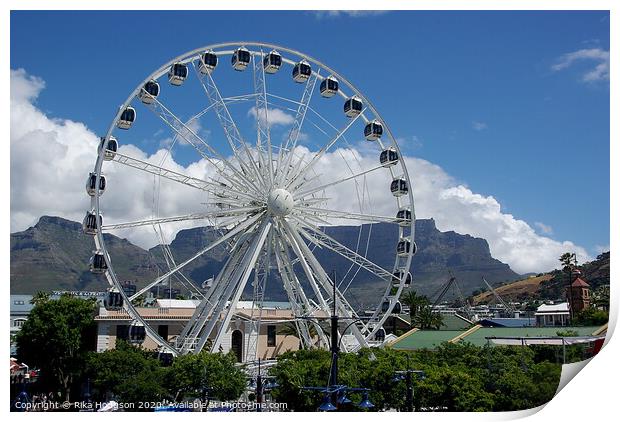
579 296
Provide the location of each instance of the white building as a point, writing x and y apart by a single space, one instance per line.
553 315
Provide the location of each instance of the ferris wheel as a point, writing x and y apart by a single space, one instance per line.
277 149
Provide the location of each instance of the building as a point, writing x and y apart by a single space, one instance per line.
557 315
19 310
169 316
579 295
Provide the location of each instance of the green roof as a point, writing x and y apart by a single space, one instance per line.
454 322
430 339
478 337
425 339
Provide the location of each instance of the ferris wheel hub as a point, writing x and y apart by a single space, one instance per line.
280 202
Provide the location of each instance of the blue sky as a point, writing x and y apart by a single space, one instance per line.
490 97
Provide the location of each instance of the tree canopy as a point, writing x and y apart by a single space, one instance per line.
55 338
459 377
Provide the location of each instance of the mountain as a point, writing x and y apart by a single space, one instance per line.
54 254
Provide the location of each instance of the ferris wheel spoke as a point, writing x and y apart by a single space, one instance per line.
323 212
305 168
300 116
263 131
187 217
242 226
226 100
309 191
203 148
323 240
233 136
204 185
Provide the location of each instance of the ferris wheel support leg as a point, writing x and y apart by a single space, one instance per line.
247 268
192 329
261 276
203 328
297 296
342 304
306 268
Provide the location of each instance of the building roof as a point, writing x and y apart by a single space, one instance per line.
20 304
430 339
177 303
478 337
425 339
453 322
579 282
247 304
560 308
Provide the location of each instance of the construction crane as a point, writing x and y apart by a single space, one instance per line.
506 306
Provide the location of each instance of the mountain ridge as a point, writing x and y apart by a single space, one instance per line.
54 255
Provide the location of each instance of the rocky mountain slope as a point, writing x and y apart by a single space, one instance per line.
54 254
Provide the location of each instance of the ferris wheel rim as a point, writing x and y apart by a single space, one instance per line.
100 243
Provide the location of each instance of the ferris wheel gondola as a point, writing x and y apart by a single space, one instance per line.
208 62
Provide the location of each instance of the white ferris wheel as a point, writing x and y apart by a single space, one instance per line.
264 193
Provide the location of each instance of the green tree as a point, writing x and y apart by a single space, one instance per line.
39 297
426 319
189 375
55 339
415 302
128 373
459 377
591 317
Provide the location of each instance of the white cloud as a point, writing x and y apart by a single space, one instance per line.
274 116
452 205
349 13
479 125
51 158
599 73
543 228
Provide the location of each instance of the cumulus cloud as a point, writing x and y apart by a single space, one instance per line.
453 206
51 158
273 117
600 72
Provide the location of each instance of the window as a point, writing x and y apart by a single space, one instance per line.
18 302
271 336
18 322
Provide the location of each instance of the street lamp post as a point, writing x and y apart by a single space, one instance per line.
335 390
407 376
335 349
